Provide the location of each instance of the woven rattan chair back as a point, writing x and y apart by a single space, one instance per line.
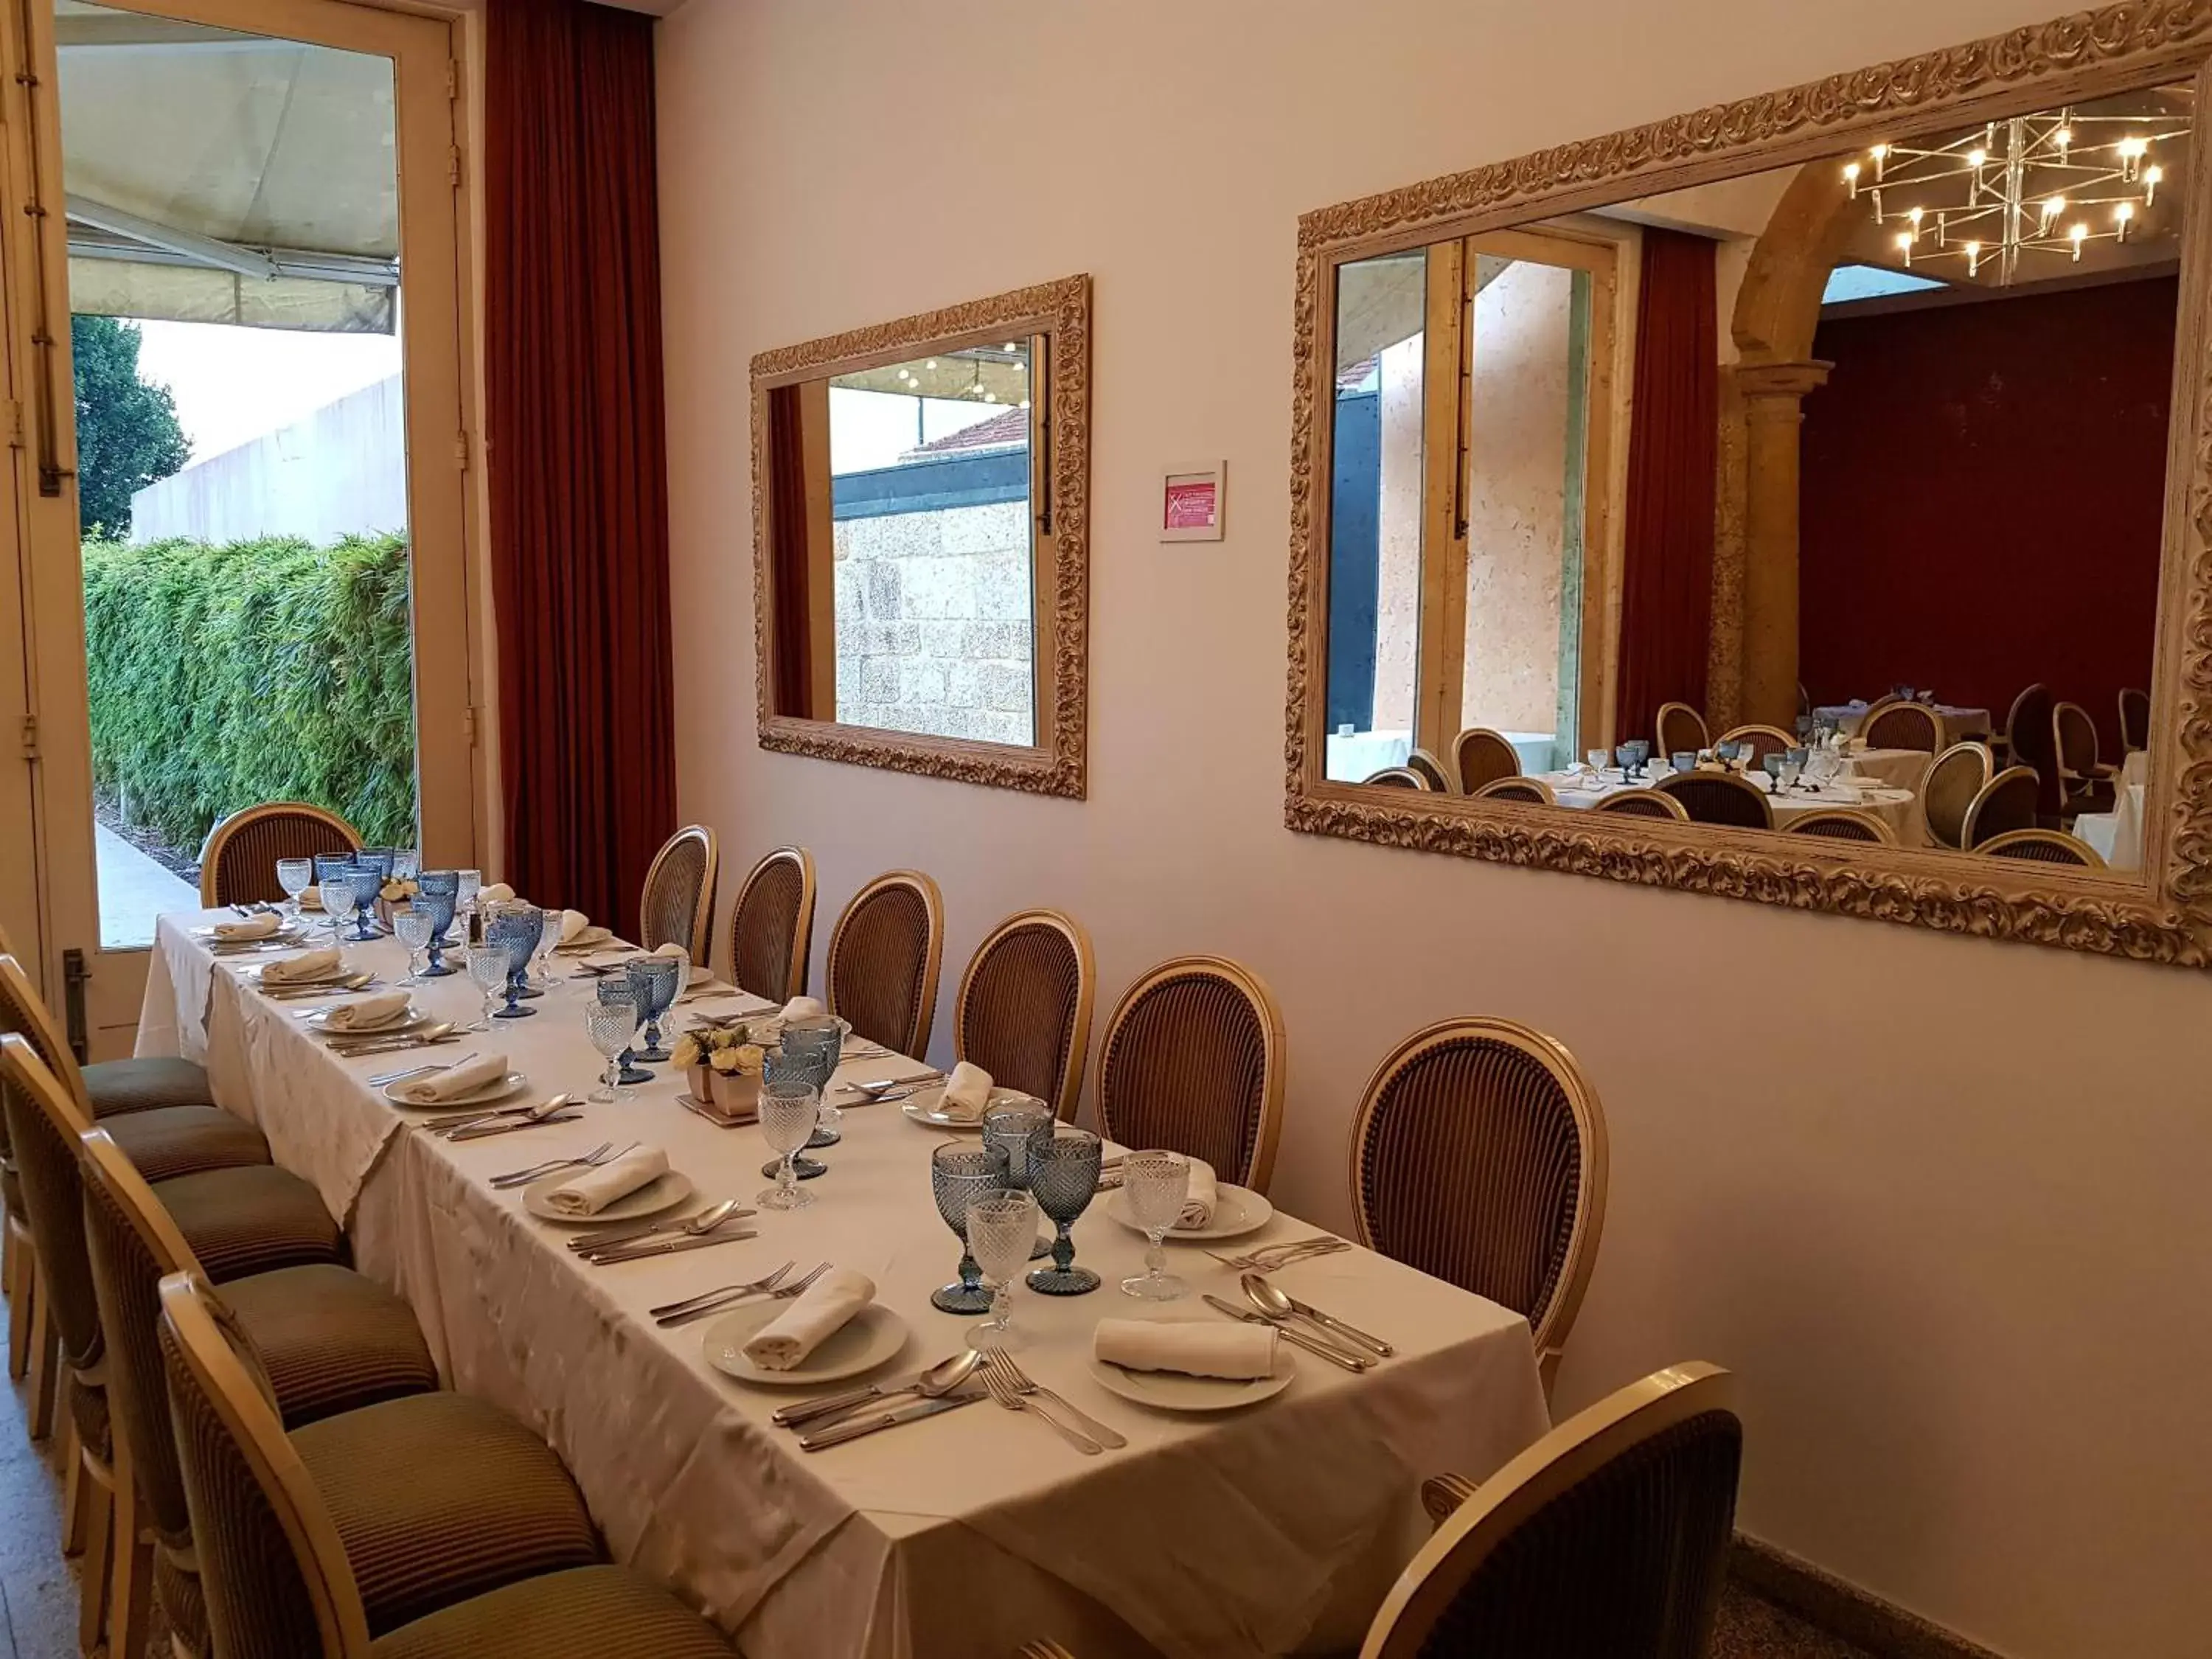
1644 804
1431 769
1841 823
772 926
2029 741
1484 756
1023 1012
1192 1062
2043 846
1478 1157
1948 789
1904 726
885 954
678 904
1719 798
2007 801
238 860
1681 728
2134 718
1765 740
1532 792
1397 777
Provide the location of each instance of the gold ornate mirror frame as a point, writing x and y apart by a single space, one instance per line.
1060 312
2161 913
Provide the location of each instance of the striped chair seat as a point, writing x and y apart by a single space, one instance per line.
439 1497
329 1339
592 1613
164 1141
251 1220
115 1086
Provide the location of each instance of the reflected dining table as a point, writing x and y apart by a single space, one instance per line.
1958 723
1895 807
1275 1528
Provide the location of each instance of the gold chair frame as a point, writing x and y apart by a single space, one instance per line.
1421 761
1875 832
1483 738
1654 803
1077 1048
1679 711
1669 784
2080 853
925 1013
2009 778
1931 724
1398 777
228 829
802 934
1754 732
1533 791
1987 769
700 940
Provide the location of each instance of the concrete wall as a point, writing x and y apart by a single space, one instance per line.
341 470
1957 1248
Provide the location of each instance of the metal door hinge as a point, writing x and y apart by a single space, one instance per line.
461 451
469 725
74 975
453 78
30 737
14 423
454 165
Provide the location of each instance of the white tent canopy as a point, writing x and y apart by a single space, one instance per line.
214 177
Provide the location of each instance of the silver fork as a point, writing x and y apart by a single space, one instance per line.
602 1153
1007 1366
1014 1401
713 1302
387 1078
1269 1258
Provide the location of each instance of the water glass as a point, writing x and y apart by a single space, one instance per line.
368 886
787 1109
329 865
656 980
1639 751
541 959
1596 759
413 927
1771 763
464 898
378 859
295 876
1064 1177
621 994
810 1050
437 896
407 863
514 930
610 1025
488 973
338 903
1001 1227
959 1174
1157 1186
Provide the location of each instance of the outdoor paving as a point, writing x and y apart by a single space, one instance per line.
133 890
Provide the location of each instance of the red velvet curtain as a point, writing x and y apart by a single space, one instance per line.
577 465
1667 543
787 553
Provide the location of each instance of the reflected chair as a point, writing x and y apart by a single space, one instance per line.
1484 756
885 952
1643 804
1765 740
1873 710
1430 767
1904 726
106 1088
429 1526
2134 718
2007 801
1478 1157
1533 791
1719 798
1681 728
1396 777
1841 823
678 904
1192 1062
772 926
2029 741
238 860
2085 782
328 1339
1023 1012
2043 846
1948 787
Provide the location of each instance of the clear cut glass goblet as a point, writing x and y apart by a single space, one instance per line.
1157 1186
295 876
610 1025
787 1109
620 993
1001 1227
413 929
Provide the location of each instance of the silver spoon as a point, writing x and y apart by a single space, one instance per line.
705 1222
519 1114
371 1044
282 993
1270 1298
938 1380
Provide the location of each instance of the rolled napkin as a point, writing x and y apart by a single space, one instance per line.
311 897
967 1093
293 971
453 1082
1198 1207
592 1191
368 1014
673 949
259 926
821 1310
1237 1352
573 925
804 1008
493 892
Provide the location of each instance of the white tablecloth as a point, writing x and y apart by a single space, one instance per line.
1895 807
1270 1530
1958 723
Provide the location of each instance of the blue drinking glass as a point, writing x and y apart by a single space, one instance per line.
612 993
959 1174
1771 763
514 930
378 858
441 889
655 981
1064 1177
367 884
439 907
329 865
809 1050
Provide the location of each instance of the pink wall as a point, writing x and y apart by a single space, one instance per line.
1960 1259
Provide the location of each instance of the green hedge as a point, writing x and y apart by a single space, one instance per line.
259 671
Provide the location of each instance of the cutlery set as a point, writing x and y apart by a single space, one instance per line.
602 1153
664 1237
1269 1258
721 1301
507 1120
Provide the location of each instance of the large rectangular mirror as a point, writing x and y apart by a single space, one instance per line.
1802 500
921 495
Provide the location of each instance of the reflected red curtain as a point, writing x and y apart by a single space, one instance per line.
1668 542
787 552
577 463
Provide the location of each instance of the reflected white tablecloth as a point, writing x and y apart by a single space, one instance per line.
1895 807
1271 1531
1958 724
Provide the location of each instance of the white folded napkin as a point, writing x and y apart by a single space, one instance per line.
308 964
453 1082
573 923
967 1093
368 1013
818 1312
494 892
677 951
259 926
804 1008
311 897
592 1190
1238 1352
1198 1207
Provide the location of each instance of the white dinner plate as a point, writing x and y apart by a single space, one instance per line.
286 933
1236 1210
1172 1391
923 1107
414 1020
590 939
318 983
870 1338
490 1094
663 1191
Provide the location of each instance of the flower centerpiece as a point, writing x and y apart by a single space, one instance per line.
396 891
726 1059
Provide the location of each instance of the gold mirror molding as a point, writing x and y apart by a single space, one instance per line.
798 620
2162 913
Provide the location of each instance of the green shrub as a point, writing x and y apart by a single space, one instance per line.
259 670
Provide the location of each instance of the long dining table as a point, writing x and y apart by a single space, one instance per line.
1272 1529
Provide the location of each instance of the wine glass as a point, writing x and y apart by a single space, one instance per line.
1596 759
465 899
654 980
339 901
540 976
514 930
1064 1177
413 927
810 1050
610 1026
787 1109
1793 767
1157 1185
960 1173
1017 1128
407 863
295 876
1001 1228
620 993
488 973
436 898
1772 763
366 885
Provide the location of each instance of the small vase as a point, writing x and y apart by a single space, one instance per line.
736 1095
703 1084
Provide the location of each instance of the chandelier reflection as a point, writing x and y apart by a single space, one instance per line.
2048 183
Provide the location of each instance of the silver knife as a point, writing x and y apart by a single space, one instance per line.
838 1433
486 1131
828 1405
638 1253
607 1239
1312 1345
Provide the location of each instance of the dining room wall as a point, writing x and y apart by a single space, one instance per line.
1939 1201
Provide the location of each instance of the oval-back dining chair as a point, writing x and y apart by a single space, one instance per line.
2043 846
1904 725
2084 779
1609 1535
1431 768
1842 824
1532 792
1193 1063
2029 741
1681 728
238 860
1763 740
772 926
1478 1157
1718 798
1023 1012
885 954
678 904
2134 718
1484 756
2007 801
1948 789
1396 777
1643 804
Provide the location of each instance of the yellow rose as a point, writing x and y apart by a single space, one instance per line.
687 1052
751 1057
724 1060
